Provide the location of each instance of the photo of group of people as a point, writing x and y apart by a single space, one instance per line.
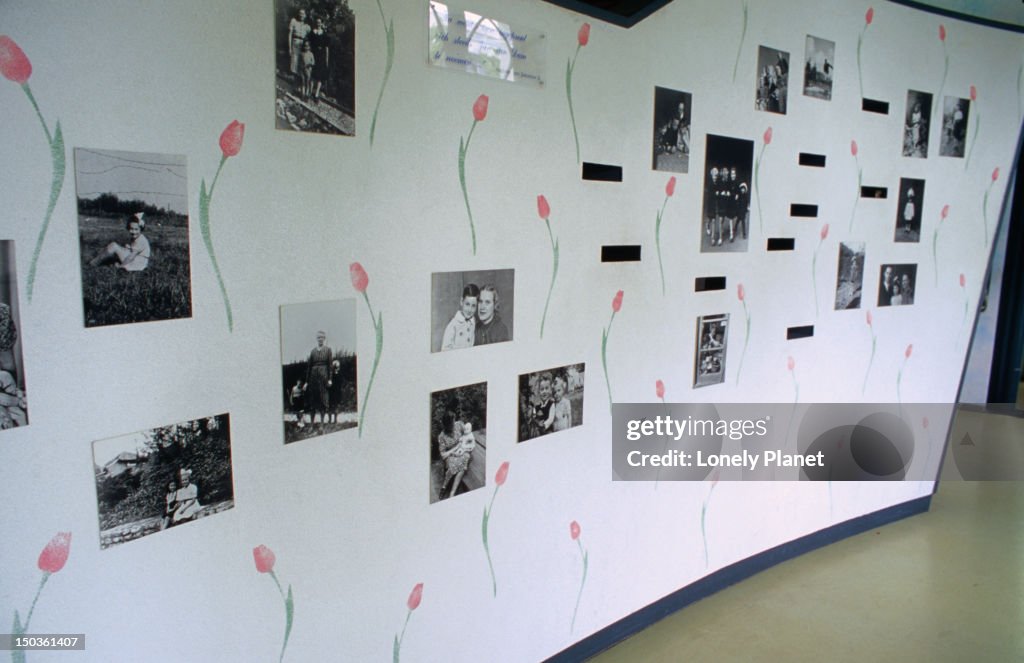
550 401
133 236
955 111
908 213
819 59
13 401
709 357
726 218
671 146
320 385
315 66
471 308
772 80
850 275
149 481
916 123
896 285
458 441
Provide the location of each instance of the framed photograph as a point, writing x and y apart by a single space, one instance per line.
819 58
850 275
13 402
133 236
916 124
149 481
315 66
772 80
471 308
897 284
318 368
709 356
728 163
458 441
550 401
954 126
908 211
671 146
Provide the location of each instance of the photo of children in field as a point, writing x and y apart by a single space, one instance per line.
133 236
318 368
550 401
151 480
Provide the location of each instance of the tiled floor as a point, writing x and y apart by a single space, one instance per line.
947 585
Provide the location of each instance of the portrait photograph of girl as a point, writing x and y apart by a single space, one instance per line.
133 236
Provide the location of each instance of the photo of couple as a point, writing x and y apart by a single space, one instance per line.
471 308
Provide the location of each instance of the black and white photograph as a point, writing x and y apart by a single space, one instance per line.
13 402
915 124
149 481
850 275
318 368
709 355
315 66
133 236
725 223
908 210
471 308
772 80
954 126
458 441
819 60
671 147
550 401
896 285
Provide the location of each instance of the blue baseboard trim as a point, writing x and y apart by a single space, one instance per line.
732 574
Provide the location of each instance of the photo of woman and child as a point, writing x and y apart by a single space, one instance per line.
458 441
550 401
13 404
483 314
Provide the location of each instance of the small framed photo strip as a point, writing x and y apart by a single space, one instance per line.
709 355
670 149
13 401
850 275
318 368
133 236
819 61
471 308
772 85
163 477
916 124
458 441
908 211
897 284
550 401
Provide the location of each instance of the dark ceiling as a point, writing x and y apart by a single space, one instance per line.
619 12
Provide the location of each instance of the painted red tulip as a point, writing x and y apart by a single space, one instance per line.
415 596
14 65
480 108
659 389
995 174
945 211
768 136
264 558
231 138
870 15
543 209
359 277
963 281
617 302
790 363
942 32
924 422
853 147
740 292
574 530
824 232
583 36
670 187
910 348
974 93
869 318
502 474
55 554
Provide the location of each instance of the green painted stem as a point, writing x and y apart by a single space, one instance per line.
463 149
554 273
39 590
570 67
378 328
56 145
582 583
743 36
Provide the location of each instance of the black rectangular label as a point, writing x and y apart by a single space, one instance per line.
816 160
601 172
875 106
810 211
620 253
781 243
706 283
805 331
